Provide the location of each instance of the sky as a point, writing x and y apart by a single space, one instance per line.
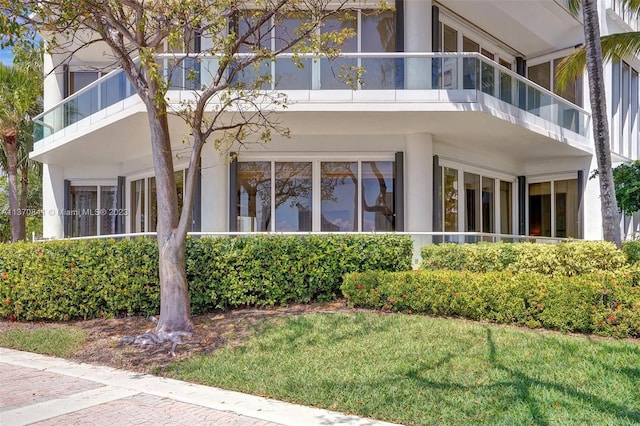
5 56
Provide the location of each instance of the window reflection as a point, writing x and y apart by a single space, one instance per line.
377 196
540 209
137 205
378 35
288 74
339 207
108 205
254 196
84 202
293 196
331 71
450 195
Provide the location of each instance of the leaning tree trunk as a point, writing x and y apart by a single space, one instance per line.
175 311
609 205
10 138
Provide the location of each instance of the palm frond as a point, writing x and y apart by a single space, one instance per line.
575 6
615 47
571 67
631 7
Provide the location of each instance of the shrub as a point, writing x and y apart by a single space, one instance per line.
570 258
62 280
605 303
632 250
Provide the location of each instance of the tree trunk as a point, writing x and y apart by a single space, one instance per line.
24 197
175 309
10 139
609 206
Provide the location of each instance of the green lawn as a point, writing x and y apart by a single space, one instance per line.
420 370
56 341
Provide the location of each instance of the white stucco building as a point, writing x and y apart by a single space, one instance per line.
457 127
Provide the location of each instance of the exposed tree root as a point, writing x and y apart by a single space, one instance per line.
153 338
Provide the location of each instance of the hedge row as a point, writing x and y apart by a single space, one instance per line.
62 280
569 259
602 303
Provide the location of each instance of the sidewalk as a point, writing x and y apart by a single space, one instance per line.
37 389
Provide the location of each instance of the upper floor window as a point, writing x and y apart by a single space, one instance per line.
625 109
374 30
543 75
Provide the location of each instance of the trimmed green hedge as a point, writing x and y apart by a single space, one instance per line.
62 280
571 258
603 303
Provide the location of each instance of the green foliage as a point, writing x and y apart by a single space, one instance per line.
62 280
605 303
571 258
627 181
632 250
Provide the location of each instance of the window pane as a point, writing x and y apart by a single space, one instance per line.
566 194
540 209
472 202
137 205
506 206
541 74
84 202
377 196
288 74
450 183
488 200
293 196
254 196
449 39
469 45
108 202
330 71
153 205
339 194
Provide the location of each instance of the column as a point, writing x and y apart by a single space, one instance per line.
215 190
417 38
52 201
418 182
592 207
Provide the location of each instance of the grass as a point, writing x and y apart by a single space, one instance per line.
58 341
421 371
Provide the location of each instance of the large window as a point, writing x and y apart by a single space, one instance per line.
92 210
143 202
481 202
330 196
553 208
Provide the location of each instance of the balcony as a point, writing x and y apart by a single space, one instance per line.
416 78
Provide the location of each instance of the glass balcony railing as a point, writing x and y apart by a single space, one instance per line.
383 72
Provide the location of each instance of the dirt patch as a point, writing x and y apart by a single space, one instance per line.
212 331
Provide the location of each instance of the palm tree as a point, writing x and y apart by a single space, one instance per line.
594 64
19 94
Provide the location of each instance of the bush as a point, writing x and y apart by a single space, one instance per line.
62 280
571 258
632 250
605 303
